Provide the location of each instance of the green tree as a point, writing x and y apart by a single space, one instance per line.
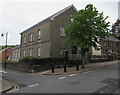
87 29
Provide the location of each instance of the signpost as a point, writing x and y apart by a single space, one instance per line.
109 51
52 64
109 54
51 50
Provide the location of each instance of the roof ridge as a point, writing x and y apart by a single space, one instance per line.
63 10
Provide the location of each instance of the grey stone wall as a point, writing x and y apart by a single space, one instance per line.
57 42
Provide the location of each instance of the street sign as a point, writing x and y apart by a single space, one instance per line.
109 51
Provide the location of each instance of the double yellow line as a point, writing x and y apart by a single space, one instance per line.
14 88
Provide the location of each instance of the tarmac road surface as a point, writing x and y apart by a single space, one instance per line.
104 80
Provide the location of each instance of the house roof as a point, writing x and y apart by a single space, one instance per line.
112 38
5 49
52 16
17 47
2 50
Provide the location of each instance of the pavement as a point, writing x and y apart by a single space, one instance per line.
72 70
5 85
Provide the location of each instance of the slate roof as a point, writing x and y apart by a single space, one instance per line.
52 16
5 49
2 50
17 47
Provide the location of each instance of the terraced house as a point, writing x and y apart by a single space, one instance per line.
116 28
47 35
16 53
111 45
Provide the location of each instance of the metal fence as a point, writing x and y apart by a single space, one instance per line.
74 56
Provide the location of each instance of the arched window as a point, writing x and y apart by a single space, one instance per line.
39 34
74 50
39 51
62 32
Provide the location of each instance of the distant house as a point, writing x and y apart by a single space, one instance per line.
111 44
6 54
116 28
16 53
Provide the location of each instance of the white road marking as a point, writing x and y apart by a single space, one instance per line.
1 71
62 77
48 81
33 85
72 75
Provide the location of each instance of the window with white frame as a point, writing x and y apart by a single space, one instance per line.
116 29
39 34
105 43
39 54
24 39
31 51
71 18
24 53
18 53
31 37
62 32
13 54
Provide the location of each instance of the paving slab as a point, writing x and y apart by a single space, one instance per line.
5 85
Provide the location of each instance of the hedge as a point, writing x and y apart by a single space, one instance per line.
28 59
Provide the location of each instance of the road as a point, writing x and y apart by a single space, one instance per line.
103 80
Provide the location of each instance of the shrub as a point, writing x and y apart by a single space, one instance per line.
28 59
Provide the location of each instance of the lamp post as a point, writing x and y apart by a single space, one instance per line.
5 48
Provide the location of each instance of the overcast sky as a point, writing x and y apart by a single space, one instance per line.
18 15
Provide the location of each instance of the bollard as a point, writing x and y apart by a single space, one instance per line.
53 68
